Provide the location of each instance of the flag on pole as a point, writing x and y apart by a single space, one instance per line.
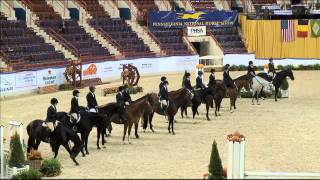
287 30
315 27
302 29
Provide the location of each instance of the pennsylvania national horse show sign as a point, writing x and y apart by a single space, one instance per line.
173 19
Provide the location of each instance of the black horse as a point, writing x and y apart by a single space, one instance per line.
60 136
87 121
278 79
202 96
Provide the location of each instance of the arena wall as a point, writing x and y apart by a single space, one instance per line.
14 84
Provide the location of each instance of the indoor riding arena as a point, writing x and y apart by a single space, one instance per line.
117 65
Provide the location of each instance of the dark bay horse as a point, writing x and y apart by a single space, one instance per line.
278 79
134 112
205 96
87 121
177 98
61 136
233 93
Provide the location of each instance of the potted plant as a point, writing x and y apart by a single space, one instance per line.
34 159
50 167
215 167
30 174
17 162
284 88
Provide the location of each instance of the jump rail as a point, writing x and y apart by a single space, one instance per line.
1 152
236 163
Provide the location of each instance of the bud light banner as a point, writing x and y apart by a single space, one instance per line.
173 19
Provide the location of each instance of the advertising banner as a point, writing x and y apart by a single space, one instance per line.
7 83
175 19
26 79
47 77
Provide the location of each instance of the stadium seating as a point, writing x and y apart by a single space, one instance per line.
21 48
264 1
171 41
199 5
116 30
93 7
70 35
229 40
122 36
144 6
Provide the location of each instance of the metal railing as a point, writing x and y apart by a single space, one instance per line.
64 42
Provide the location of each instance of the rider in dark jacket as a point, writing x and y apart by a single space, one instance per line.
51 117
164 95
187 82
163 78
91 100
126 94
121 104
75 110
226 77
212 78
272 70
199 82
250 70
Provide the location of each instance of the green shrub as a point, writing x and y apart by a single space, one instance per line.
260 68
215 166
17 158
134 89
279 67
50 167
30 174
65 87
316 67
242 68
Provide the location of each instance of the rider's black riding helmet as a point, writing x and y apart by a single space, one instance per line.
188 74
200 73
92 88
75 92
226 66
271 59
163 78
165 82
250 62
54 101
120 88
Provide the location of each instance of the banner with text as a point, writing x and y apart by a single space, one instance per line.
173 19
197 31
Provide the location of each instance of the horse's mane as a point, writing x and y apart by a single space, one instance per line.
106 105
176 91
241 78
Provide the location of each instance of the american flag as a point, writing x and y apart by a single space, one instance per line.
287 30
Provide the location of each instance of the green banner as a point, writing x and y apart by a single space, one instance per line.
315 27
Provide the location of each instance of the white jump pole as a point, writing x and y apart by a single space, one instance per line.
1 152
236 153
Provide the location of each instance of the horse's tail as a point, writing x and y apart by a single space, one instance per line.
76 141
31 133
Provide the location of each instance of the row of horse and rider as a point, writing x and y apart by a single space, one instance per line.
61 127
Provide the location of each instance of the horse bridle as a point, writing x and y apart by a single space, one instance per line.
190 93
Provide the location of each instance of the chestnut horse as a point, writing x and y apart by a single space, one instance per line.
177 99
240 82
134 112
